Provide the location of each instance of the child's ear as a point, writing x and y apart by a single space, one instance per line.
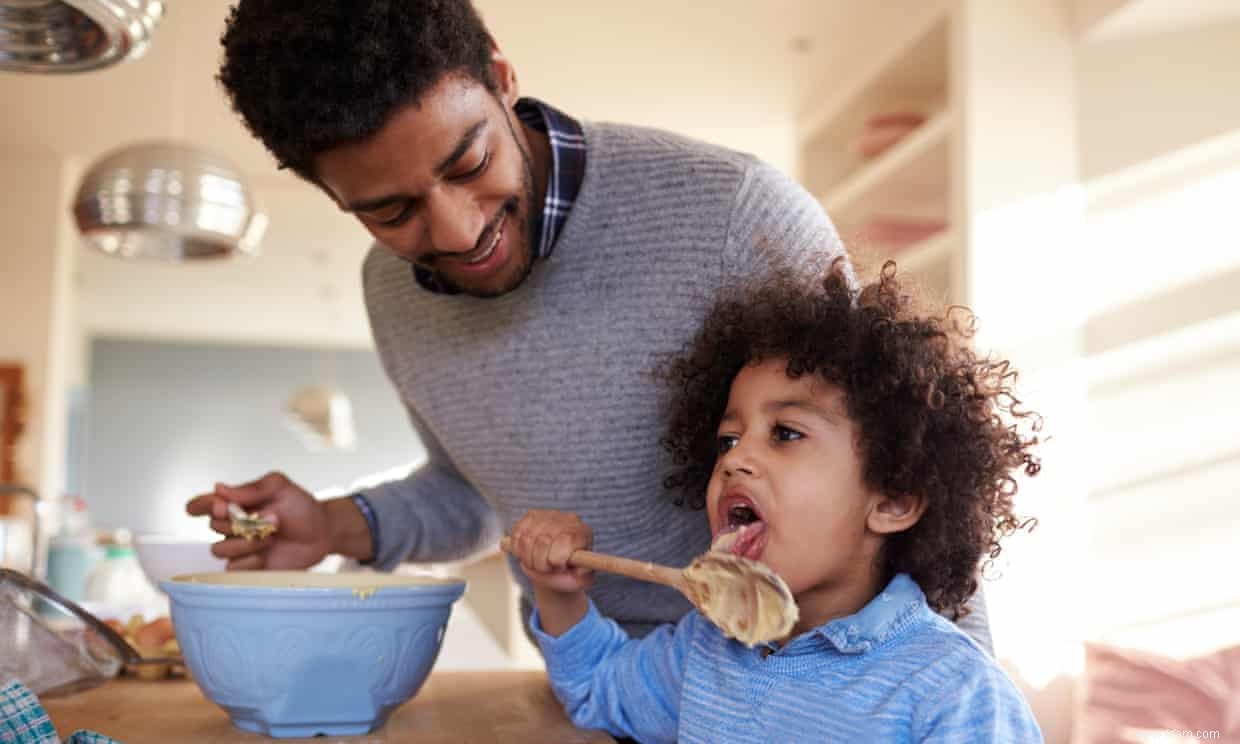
897 513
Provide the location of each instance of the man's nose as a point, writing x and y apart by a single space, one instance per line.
453 222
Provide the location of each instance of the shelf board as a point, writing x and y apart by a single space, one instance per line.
910 77
1117 19
918 63
922 255
1208 159
908 180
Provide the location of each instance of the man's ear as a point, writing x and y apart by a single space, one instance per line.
505 76
890 514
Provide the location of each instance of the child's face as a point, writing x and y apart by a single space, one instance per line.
789 468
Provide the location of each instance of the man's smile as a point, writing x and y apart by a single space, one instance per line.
485 248
479 258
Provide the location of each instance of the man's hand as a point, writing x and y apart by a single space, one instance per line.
306 530
541 542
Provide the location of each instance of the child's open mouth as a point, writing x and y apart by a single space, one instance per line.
744 531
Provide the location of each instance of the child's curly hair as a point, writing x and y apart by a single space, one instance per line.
929 411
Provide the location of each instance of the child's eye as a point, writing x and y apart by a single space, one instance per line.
784 434
725 442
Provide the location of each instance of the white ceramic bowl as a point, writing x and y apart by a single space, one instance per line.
165 556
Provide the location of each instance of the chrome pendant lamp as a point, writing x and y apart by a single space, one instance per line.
60 36
167 201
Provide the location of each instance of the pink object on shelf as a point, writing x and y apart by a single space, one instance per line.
896 234
881 131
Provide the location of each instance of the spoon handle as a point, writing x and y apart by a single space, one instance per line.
640 570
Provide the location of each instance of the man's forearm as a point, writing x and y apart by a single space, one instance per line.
350 535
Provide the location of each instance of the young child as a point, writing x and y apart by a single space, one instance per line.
860 451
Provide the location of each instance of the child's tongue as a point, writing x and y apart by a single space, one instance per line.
747 541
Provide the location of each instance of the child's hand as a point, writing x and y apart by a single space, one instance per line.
542 541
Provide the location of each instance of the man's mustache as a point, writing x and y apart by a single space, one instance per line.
507 208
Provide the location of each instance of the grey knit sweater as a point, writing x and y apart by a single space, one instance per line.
543 398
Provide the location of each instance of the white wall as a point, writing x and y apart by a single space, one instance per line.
1164 338
36 302
1163 500
1150 95
165 421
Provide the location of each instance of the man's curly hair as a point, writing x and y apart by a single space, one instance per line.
307 75
929 411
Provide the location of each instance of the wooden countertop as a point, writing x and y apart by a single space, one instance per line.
453 707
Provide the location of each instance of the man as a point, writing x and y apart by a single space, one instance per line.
528 274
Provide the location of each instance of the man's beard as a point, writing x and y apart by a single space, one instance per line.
525 227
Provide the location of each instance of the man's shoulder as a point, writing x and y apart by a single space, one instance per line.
378 262
632 149
626 138
649 160
387 278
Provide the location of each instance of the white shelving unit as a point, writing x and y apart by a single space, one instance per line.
909 179
910 183
995 163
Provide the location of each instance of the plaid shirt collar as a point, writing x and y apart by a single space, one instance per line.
568 167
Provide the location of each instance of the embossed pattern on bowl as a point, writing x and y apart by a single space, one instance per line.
293 654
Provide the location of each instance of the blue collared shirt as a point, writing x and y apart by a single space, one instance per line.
894 672
568 167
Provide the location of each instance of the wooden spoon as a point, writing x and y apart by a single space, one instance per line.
745 598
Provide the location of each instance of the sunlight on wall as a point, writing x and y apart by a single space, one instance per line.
1025 282
1162 408
164 511
1039 597
1135 502
1186 637
1023 286
1162 224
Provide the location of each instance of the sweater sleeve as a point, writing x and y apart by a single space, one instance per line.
607 680
433 514
776 225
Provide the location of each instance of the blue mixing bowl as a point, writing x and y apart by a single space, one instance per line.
289 653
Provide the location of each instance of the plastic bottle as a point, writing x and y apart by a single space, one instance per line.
73 552
117 585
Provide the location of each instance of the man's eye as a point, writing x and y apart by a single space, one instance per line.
784 434
476 171
724 443
393 216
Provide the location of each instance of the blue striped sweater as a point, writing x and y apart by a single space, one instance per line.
893 672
